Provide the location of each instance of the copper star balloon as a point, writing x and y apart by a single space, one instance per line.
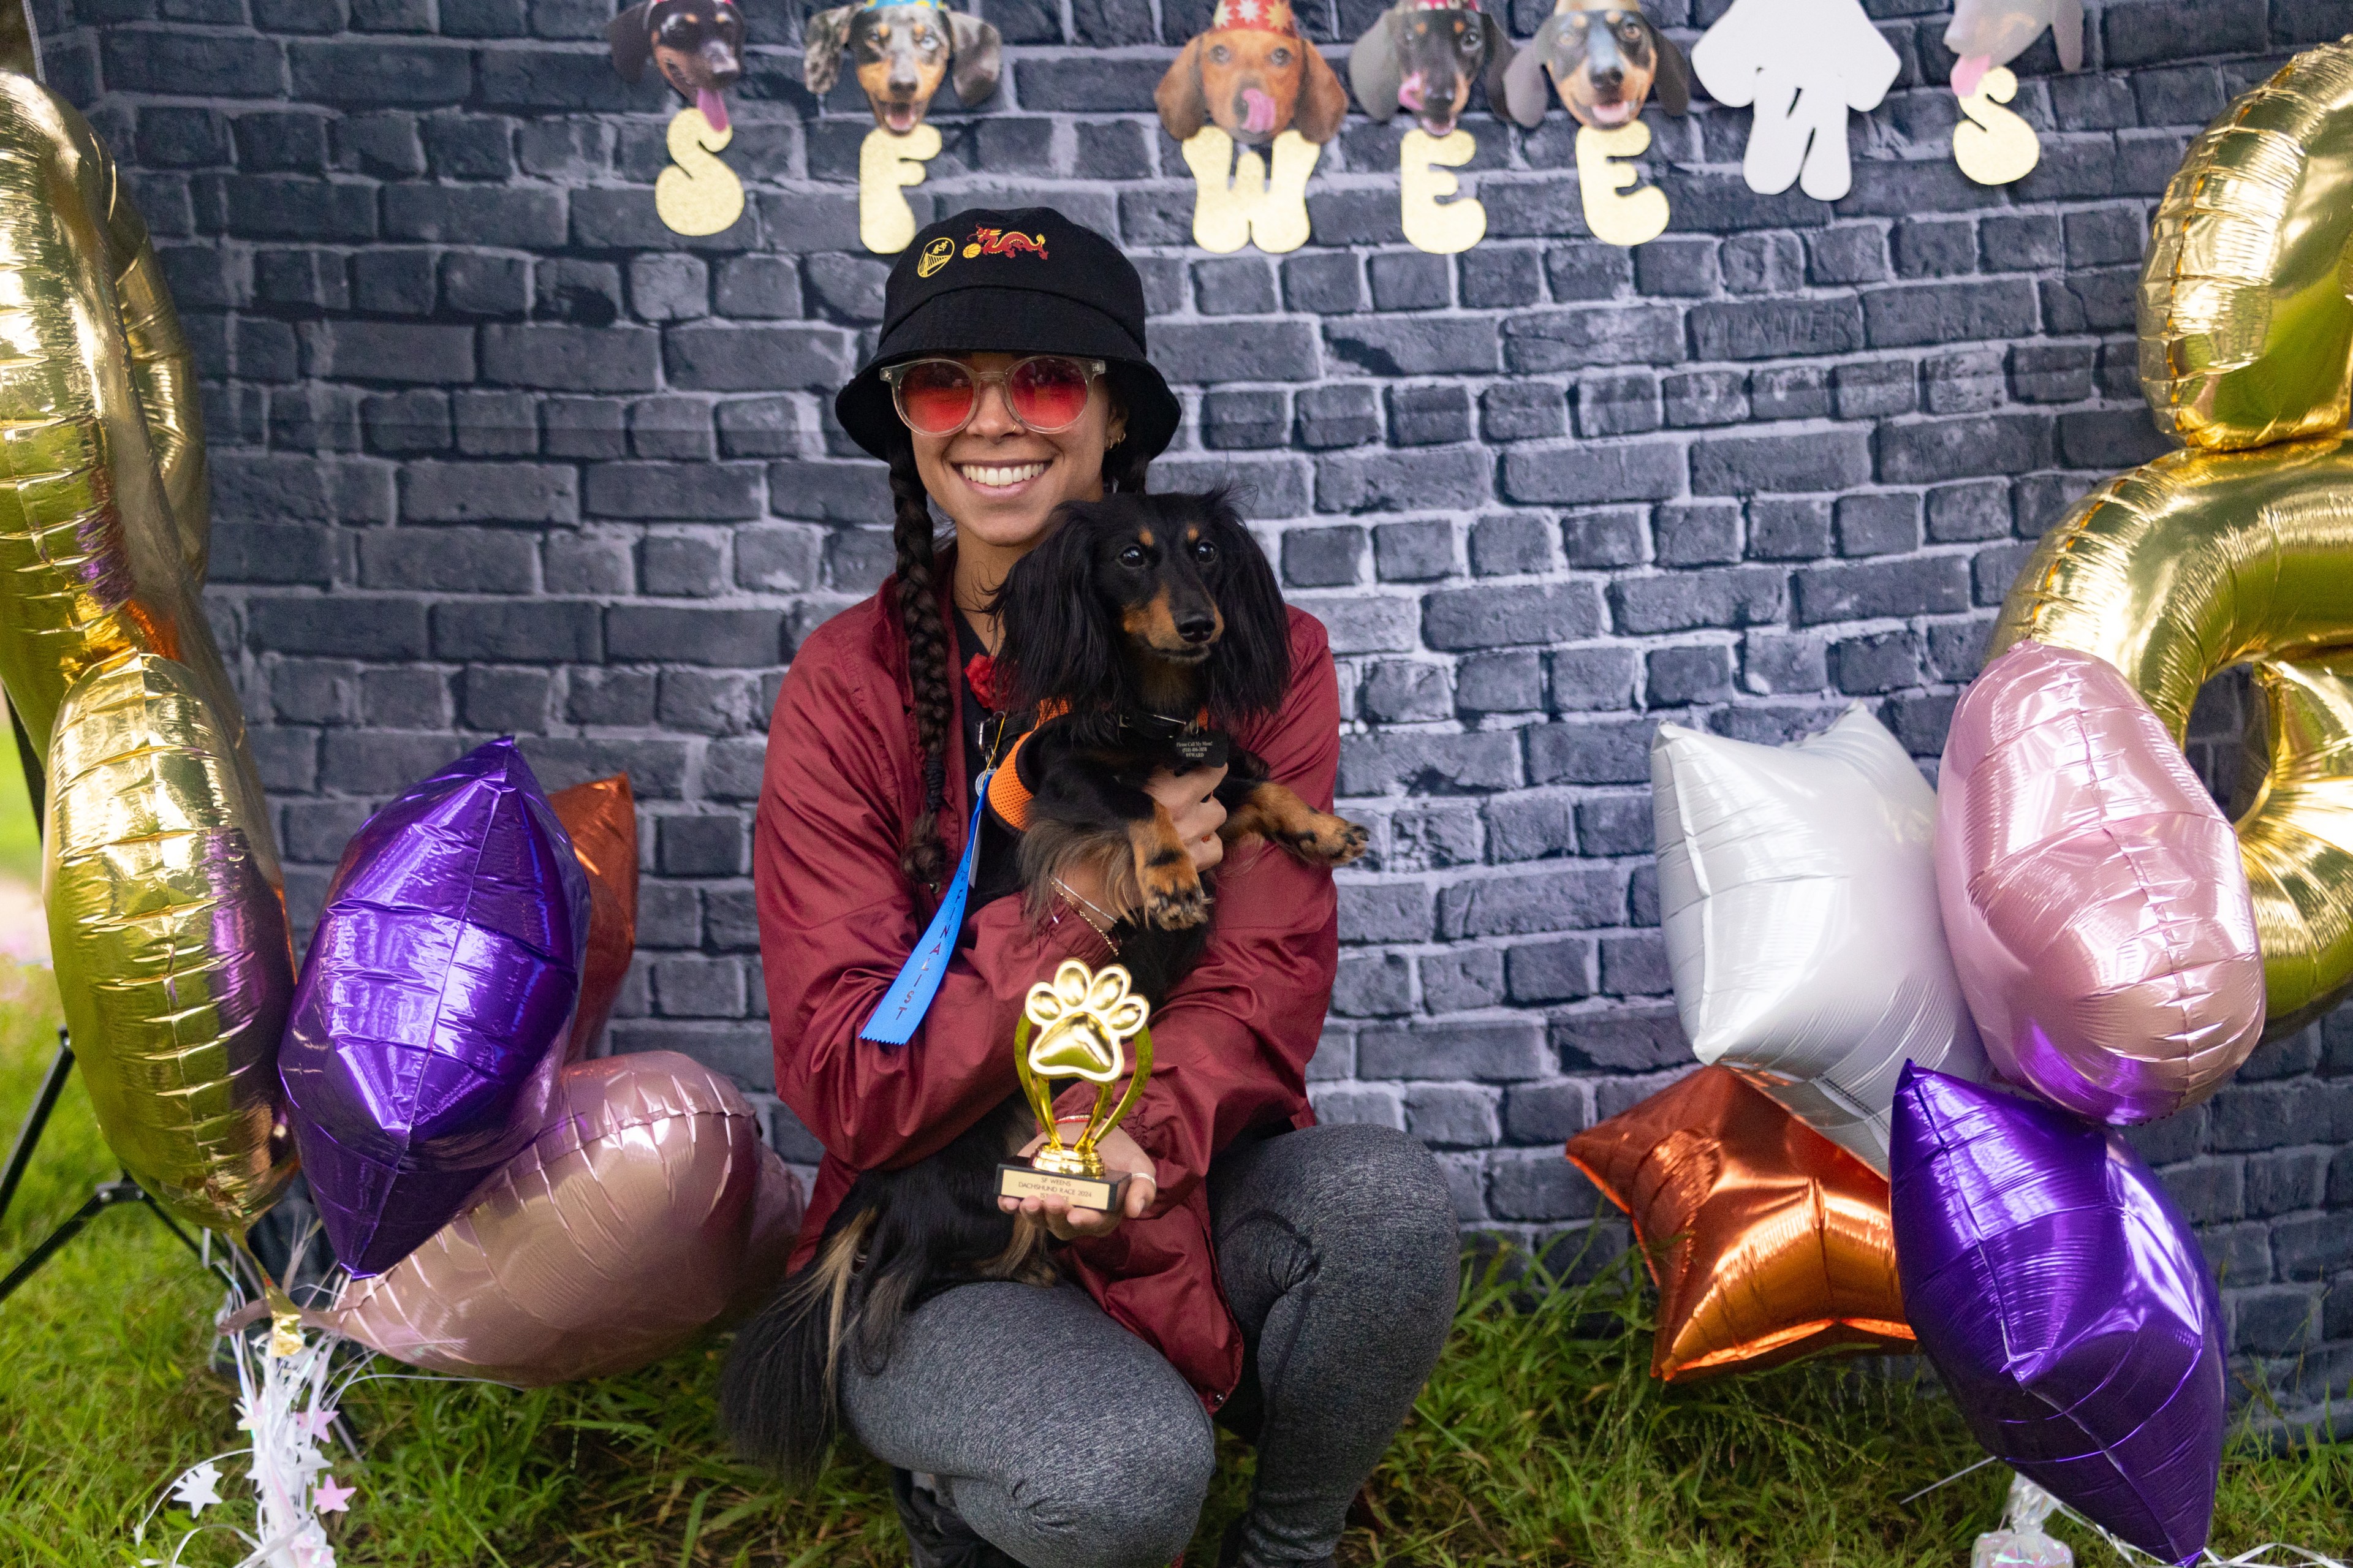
429 1019
2093 893
1769 1242
647 1207
601 815
169 938
2059 1293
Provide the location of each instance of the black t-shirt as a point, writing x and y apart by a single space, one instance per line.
998 872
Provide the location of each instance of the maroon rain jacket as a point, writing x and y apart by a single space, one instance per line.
837 917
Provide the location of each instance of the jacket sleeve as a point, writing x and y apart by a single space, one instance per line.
837 917
1230 1045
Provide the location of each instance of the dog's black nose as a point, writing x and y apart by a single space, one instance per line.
1197 628
1609 79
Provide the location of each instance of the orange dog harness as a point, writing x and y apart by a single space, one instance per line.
1009 798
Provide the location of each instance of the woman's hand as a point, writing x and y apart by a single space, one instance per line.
1191 802
1119 1153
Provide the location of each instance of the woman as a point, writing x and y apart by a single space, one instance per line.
1295 1280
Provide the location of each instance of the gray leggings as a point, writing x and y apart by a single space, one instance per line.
1029 1417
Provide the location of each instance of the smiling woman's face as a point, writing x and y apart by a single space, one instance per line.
999 482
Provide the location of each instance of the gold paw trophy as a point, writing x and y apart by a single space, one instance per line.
1077 1026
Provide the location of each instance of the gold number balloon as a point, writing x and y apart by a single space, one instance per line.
98 431
168 930
2241 549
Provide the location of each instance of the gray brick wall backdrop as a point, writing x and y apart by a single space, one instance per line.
494 451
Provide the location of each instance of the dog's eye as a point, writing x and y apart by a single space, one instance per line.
1278 58
1204 551
1131 557
1221 54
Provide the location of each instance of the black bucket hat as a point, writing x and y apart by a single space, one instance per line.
1027 280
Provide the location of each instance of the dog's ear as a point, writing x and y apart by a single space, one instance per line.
632 35
979 58
1527 86
1671 85
2067 32
1183 102
1057 638
824 39
1498 61
1373 70
1322 102
1249 668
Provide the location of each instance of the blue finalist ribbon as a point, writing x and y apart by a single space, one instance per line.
910 997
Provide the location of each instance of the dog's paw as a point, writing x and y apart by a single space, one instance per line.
1173 898
1325 840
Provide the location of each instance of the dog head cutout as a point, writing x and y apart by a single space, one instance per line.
1605 58
697 45
1254 75
1422 56
902 50
1988 33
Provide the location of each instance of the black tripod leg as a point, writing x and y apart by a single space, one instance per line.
37 780
30 1135
67 1230
166 1220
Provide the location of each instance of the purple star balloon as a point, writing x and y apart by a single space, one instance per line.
429 1021
2055 1287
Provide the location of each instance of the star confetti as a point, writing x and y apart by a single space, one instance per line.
332 1498
199 1489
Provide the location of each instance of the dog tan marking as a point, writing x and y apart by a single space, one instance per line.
1144 537
1173 896
1154 624
1280 816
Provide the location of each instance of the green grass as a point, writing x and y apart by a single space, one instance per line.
1541 1440
20 839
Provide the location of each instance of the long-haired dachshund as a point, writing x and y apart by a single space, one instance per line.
697 45
1605 58
1423 55
1139 625
1255 76
902 50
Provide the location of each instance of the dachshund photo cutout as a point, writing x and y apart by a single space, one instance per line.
1423 56
902 50
1604 59
698 48
1251 83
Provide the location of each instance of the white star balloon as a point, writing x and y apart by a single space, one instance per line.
1797 891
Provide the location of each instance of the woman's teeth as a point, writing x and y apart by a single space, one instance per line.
1000 476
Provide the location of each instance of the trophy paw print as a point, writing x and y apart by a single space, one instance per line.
1077 1026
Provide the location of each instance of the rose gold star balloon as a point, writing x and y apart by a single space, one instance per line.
647 1207
601 815
1769 1242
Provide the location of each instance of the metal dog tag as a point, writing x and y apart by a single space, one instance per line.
1201 749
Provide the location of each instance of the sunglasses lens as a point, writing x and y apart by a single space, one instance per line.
935 398
1049 394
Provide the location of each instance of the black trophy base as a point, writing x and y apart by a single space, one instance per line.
1020 1179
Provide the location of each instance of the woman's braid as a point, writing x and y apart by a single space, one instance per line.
928 665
